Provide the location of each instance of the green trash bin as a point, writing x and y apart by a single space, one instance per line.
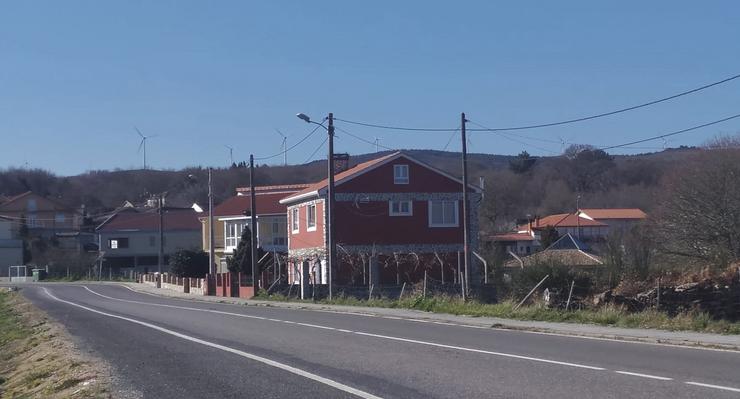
38 274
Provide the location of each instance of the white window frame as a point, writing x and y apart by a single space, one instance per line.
397 177
456 223
60 218
400 212
237 236
311 210
295 220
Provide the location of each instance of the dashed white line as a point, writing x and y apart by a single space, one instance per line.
654 377
285 367
387 337
433 344
700 384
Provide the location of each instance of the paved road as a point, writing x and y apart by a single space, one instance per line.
170 348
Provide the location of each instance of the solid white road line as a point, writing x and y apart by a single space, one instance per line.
699 384
285 367
504 329
654 377
433 344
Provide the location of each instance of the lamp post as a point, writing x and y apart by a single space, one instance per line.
331 243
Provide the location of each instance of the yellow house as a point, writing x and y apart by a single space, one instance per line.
231 217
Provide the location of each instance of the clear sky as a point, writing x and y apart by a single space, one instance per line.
77 76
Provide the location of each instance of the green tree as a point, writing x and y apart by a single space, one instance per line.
241 261
189 263
522 162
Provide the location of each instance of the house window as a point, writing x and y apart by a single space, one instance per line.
60 218
32 221
311 217
294 224
279 241
443 214
233 230
399 208
31 205
118 243
400 174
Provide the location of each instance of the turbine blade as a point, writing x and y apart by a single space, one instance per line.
139 131
141 144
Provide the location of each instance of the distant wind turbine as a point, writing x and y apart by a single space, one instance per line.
142 144
285 147
231 153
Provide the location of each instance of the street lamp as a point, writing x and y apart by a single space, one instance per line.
331 243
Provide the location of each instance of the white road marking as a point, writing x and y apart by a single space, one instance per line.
699 384
505 329
387 337
654 377
285 367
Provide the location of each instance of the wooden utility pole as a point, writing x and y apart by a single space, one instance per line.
160 255
330 238
466 216
211 238
253 223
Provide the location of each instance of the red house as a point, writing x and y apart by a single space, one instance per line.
397 210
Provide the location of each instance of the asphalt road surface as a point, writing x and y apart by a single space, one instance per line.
171 348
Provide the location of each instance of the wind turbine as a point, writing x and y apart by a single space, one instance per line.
377 144
231 153
285 147
142 145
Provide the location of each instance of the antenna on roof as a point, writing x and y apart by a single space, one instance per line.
284 146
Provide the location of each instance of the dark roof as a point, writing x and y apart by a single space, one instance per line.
173 218
568 242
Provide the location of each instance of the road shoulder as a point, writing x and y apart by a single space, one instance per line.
39 358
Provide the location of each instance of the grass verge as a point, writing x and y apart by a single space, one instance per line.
38 360
606 316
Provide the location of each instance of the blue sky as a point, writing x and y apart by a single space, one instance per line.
77 76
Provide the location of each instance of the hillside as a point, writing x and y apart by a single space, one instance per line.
549 184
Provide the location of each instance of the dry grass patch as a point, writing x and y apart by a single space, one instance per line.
39 359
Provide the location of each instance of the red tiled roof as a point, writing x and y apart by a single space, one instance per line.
173 219
615 213
562 220
340 176
267 204
512 237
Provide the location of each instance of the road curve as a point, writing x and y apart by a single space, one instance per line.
170 348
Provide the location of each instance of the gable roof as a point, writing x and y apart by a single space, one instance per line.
360 169
525 236
614 213
566 251
61 206
133 220
267 200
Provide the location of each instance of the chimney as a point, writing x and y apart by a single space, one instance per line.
341 162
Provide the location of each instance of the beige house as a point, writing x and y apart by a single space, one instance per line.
43 216
231 217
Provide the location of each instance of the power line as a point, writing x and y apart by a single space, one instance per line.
317 150
363 140
550 124
291 147
672 133
508 136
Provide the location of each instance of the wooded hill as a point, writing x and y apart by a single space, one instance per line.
515 185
